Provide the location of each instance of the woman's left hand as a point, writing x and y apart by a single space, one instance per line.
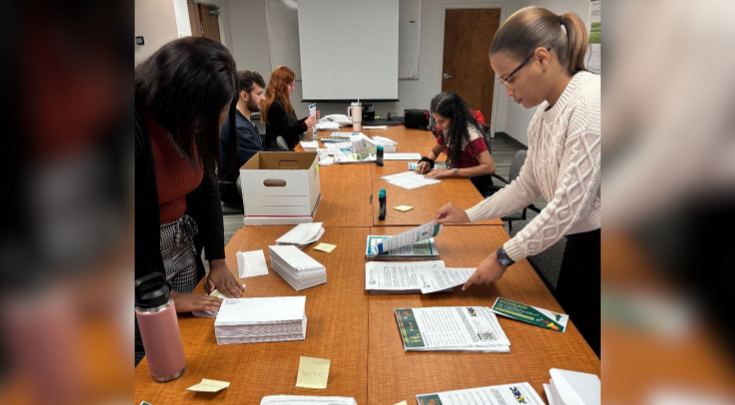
488 271
221 278
439 174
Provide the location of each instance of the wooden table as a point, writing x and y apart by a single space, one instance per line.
395 375
337 329
409 140
345 195
425 200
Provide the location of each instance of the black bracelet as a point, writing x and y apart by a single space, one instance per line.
426 159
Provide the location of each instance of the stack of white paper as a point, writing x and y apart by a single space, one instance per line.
310 146
254 320
389 145
302 235
573 388
306 400
451 329
296 267
518 393
413 277
402 156
409 180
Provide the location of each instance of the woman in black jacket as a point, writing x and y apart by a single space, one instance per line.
182 93
278 114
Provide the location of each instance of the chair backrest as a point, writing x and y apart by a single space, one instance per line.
516 164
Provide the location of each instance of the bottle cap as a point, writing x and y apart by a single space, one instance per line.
151 291
382 193
380 147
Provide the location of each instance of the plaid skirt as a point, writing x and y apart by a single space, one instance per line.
179 261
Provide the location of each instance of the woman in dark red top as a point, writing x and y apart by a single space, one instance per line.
182 94
462 140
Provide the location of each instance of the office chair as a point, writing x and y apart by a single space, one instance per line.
515 169
547 263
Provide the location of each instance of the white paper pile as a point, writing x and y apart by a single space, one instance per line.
409 180
296 267
310 146
518 393
389 145
414 277
302 235
306 400
254 320
573 388
251 264
451 329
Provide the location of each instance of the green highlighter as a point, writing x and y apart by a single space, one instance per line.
529 314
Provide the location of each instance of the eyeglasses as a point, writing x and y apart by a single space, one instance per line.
504 82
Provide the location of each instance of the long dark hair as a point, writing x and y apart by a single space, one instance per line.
452 106
536 27
185 85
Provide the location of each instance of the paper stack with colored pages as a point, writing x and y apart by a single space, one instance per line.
302 235
254 320
300 270
417 244
518 393
573 388
451 329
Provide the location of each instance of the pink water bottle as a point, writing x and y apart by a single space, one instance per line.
159 328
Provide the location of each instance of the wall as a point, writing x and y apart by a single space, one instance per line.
517 118
155 20
181 13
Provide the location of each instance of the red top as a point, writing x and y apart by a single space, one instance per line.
175 176
468 157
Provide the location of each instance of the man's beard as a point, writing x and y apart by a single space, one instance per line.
253 106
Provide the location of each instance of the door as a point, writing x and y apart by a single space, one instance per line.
204 20
210 21
196 23
468 34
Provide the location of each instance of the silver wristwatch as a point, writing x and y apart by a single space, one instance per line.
503 257
456 170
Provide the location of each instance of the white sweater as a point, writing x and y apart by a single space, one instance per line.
563 164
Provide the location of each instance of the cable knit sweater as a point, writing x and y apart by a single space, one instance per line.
563 164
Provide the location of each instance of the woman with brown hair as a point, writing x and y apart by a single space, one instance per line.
278 114
539 58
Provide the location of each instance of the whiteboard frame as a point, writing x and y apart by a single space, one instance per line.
496 91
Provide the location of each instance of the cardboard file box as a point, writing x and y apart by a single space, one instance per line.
280 188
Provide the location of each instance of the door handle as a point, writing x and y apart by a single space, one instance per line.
447 76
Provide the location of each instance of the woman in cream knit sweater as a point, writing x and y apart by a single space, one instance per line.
539 58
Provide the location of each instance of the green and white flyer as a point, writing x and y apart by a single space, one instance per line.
529 314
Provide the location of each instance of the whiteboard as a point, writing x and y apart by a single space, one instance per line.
282 20
349 49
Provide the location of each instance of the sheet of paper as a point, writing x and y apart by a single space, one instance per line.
549 394
574 387
403 208
208 385
424 249
313 145
251 264
409 180
402 156
541 317
399 276
313 373
422 232
306 400
325 247
446 278
401 403
209 314
375 127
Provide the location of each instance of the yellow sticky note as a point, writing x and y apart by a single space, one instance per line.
401 403
403 208
209 386
313 373
325 247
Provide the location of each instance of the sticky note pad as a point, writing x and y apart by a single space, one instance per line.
209 386
325 247
313 373
401 403
403 208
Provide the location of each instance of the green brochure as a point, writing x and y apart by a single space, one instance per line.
529 314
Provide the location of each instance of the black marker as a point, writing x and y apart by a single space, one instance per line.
381 197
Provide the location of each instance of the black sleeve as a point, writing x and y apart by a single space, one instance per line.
203 204
278 121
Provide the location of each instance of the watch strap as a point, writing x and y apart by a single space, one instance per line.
503 257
